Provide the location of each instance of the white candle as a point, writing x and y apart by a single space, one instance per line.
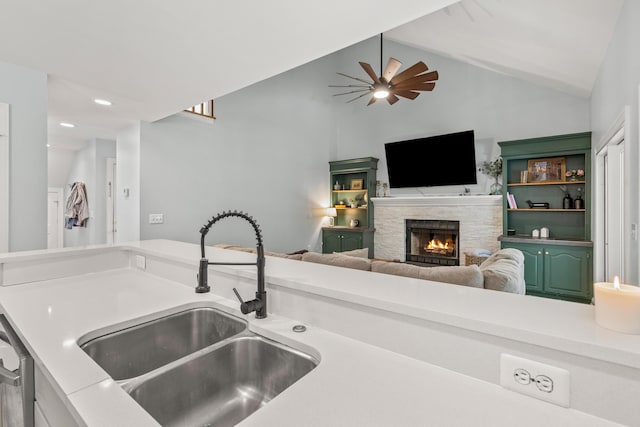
617 306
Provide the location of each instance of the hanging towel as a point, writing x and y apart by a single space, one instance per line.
77 211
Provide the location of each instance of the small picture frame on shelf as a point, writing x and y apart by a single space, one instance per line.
546 170
356 184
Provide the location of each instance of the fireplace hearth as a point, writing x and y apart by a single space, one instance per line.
432 242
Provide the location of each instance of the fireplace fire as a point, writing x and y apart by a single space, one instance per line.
432 242
439 248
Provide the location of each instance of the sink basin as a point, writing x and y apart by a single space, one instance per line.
134 351
223 386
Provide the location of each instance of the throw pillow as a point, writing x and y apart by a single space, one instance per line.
504 271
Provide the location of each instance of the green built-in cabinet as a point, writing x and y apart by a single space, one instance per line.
351 181
560 266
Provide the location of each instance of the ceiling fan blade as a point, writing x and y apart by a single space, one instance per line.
372 100
357 97
422 78
367 86
407 94
369 70
391 69
417 68
429 86
355 78
392 99
353 91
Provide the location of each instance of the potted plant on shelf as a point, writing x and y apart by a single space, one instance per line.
494 170
354 203
575 175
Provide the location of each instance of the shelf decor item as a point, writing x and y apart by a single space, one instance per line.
356 184
494 170
578 203
567 202
575 175
332 213
547 170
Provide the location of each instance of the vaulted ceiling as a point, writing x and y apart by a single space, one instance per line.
152 58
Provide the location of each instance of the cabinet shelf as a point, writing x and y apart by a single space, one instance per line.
560 266
546 210
530 184
345 175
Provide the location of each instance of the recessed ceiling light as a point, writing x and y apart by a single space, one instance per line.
102 101
67 125
48 145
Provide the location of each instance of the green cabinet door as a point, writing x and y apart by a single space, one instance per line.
533 265
351 241
556 271
568 271
331 241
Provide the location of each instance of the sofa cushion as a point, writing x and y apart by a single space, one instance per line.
360 253
504 271
396 268
466 276
338 260
469 275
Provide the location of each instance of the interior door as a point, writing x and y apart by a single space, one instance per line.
614 211
4 177
55 220
110 193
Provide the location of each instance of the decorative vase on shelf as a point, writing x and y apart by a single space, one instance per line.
496 188
578 203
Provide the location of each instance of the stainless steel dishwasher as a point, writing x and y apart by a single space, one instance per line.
17 386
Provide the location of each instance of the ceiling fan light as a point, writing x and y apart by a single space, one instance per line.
381 93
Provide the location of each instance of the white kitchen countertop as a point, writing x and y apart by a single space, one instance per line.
354 384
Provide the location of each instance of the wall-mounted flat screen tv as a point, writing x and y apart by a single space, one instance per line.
433 161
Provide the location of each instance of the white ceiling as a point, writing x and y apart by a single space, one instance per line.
555 43
153 58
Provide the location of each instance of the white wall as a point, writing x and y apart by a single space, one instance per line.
616 87
60 162
128 179
89 167
268 151
25 90
266 154
4 177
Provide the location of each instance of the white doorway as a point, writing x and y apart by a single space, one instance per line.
55 218
110 193
610 203
4 177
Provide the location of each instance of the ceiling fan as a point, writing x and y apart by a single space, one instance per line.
390 85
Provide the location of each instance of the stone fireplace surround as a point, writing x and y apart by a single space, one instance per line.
480 219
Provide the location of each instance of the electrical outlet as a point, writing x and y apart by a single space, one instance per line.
535 379
156 218
141 262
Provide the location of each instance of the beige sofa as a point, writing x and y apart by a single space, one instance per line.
502 271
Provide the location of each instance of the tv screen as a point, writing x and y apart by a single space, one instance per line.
434 161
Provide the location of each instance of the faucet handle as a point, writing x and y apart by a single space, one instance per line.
244 308
247 307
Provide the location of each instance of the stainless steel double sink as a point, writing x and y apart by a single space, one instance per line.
198 367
